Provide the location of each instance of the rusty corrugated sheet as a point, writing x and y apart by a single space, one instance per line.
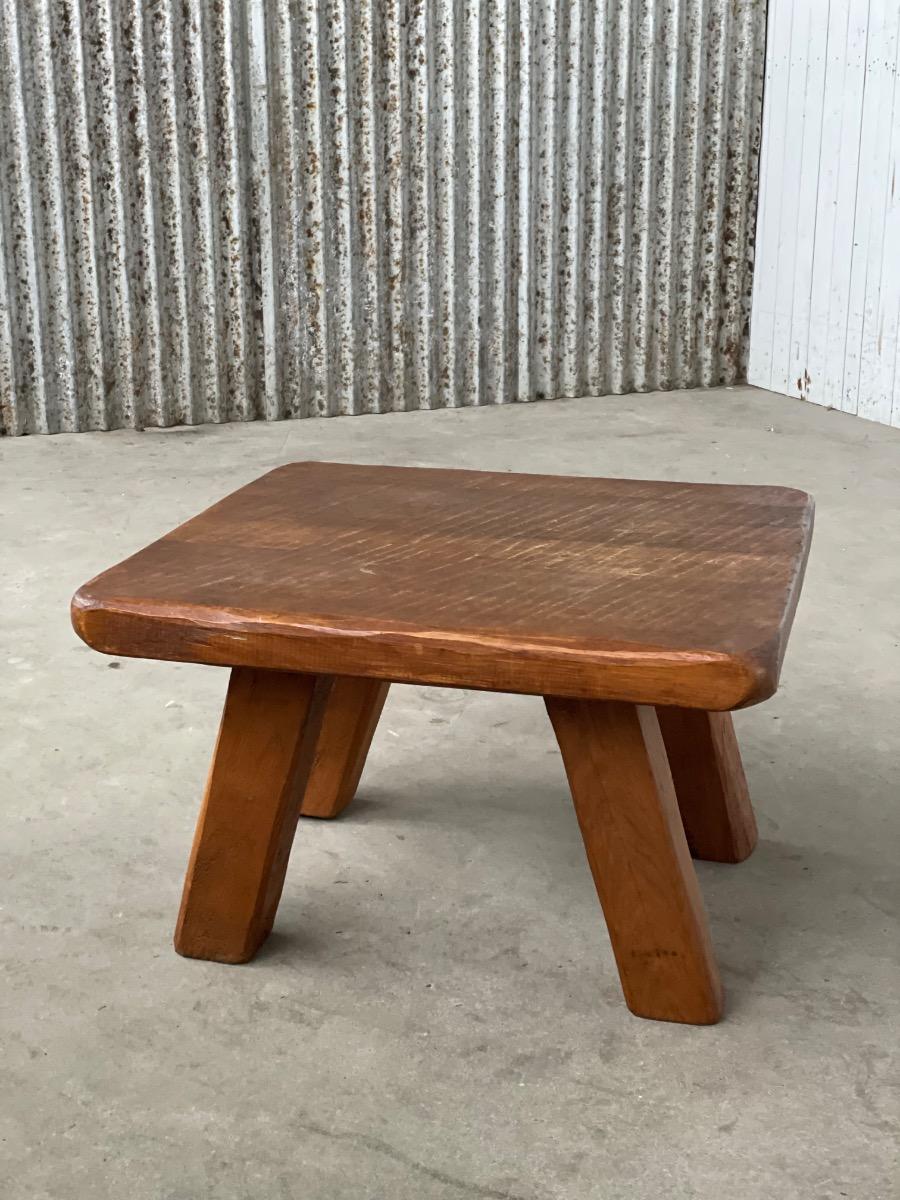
239 209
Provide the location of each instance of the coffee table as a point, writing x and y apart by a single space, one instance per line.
642 611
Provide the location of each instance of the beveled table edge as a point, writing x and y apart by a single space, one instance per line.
227 637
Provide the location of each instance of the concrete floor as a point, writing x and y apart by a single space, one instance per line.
437 1015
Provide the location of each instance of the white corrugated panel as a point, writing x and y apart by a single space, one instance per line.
826 297
217 210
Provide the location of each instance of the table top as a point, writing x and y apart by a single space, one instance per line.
651 592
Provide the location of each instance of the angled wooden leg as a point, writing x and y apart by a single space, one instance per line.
706 767
616 764
249 815
351 714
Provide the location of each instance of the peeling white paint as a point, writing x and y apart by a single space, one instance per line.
826 303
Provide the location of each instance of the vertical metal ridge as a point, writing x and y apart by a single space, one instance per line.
546 201
313 311
715 125
688 209
524 209
367 316
571 212
11 416
338 250
148 403
443 243
618 198
227 190
596 166
494 220
637 351
392 265
469 197
286 250
278 208
192 132
37 129
745 46
106 155
313 165
417 138
23 409
264 400
507 210
165 176
67 57
664 246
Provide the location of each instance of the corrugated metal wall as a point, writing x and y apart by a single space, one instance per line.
280 208
826 304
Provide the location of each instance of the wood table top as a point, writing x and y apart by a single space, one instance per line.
651 592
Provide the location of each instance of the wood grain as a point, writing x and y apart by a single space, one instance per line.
625 801
708 774
246 828
350 716
664 593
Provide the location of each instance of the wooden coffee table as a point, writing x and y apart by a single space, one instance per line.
641 611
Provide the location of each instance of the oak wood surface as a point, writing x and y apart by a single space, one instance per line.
664 593
705 761
246 827
625 801
349 718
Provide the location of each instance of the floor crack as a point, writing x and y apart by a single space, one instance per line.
382 1147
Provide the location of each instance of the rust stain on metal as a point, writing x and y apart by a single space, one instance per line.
287 208
803 385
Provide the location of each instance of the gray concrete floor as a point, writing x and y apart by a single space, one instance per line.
437 1015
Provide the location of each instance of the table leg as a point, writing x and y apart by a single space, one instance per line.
249 814
351 714
625 801
706 767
